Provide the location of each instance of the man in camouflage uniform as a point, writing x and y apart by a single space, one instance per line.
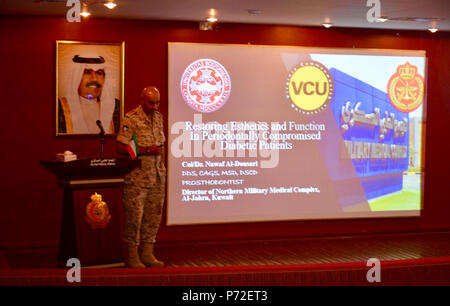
144 187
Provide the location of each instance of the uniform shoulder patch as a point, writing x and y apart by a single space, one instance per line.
131 113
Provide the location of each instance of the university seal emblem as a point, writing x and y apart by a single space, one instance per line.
309 87
205 85
406 88
97 212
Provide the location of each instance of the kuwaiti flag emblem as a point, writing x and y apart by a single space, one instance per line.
133 147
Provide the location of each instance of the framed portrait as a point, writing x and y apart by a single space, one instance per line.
89 87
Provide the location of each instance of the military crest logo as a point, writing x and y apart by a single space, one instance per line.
97 212
406 88
205 85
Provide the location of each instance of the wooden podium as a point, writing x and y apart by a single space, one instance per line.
81 179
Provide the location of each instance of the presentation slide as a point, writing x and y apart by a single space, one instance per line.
272 133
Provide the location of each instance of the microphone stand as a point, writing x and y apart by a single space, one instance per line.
102 141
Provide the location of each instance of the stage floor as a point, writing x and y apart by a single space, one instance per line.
317 250
406 259
342 249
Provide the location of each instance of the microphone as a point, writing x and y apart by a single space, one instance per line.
99 123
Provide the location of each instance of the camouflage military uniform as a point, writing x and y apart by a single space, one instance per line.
144 188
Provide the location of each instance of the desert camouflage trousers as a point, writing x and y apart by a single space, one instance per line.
143 210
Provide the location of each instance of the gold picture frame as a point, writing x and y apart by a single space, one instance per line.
89 87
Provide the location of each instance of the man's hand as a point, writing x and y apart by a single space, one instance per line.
151 150
121 149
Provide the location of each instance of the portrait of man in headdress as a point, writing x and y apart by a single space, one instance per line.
89 87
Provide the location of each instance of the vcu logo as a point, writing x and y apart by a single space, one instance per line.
310 87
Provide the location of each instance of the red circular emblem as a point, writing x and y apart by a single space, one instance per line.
406 88
97 214
205 85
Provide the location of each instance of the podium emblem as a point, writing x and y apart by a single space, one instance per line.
97 212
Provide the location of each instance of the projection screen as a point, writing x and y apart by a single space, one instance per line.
265 133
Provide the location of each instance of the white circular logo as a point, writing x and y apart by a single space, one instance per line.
205 85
